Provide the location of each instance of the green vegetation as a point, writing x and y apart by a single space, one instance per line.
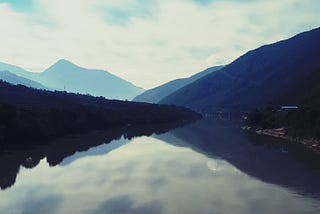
304 123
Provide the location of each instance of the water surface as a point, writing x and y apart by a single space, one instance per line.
207 167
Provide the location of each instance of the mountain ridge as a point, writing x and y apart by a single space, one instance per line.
156 94
65 75
254 79
18 80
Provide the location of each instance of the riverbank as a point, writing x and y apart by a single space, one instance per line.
312 144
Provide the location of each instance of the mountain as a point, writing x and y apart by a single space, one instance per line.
17 80
156 94
64 75
15 70
259 77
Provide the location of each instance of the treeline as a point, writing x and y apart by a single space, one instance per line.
27 114
303 123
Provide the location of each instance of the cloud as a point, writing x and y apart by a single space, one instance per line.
147 42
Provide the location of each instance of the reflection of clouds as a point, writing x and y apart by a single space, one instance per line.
213 165
46 204
125 205
32 200
97 150
218 165
149 176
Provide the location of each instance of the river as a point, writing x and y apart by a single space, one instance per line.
210 166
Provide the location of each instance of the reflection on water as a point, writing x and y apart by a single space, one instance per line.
268 159
206 167
55 152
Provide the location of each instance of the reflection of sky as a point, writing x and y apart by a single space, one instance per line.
147 176
99 150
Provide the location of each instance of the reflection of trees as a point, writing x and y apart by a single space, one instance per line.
59 149
268 159
10 164
32 118
9 168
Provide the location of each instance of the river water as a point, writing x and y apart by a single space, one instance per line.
210 166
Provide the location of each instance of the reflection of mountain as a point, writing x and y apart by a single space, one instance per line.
58 151
268 159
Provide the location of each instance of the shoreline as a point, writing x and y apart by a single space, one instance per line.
312 144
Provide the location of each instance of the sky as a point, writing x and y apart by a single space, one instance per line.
147 42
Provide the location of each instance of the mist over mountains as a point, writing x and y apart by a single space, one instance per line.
64 75
156 94
17 80
271 74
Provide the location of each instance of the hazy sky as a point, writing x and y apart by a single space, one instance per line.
147 42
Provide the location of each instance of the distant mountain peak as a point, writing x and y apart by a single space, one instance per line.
63 65
64 62
65 75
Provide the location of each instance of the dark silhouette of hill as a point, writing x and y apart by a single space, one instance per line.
303 123
28 115
64 75
156 94
17 80
259 77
